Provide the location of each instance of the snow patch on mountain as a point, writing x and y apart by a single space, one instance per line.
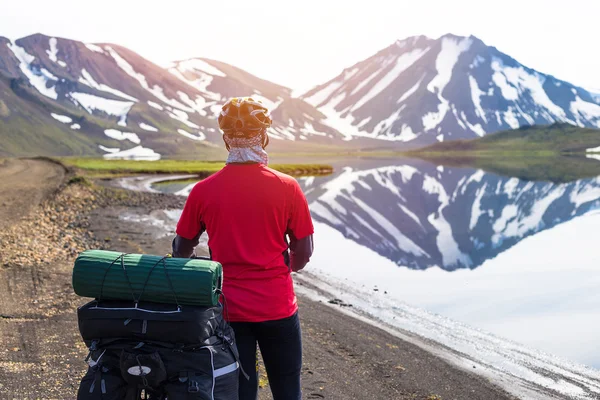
109 149
147 127
155 105
201 136
61 118
53 51
39 78
118 135
93 103
136 153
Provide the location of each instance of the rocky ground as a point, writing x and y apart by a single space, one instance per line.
41 354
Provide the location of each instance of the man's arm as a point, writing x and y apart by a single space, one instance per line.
184 248
300 251
300 226
189 227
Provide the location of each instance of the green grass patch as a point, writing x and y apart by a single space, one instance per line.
98 167
79 180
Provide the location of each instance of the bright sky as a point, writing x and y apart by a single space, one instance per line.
304 43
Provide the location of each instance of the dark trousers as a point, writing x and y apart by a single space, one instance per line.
280 344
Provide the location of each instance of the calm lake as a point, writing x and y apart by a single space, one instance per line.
518 259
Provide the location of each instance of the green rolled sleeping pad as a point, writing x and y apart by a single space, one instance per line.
117 276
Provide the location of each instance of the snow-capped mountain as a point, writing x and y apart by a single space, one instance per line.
62 97
420 216
419 91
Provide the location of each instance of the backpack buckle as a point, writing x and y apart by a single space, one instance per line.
193 387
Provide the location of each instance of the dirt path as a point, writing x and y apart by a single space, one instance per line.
24 184
38 347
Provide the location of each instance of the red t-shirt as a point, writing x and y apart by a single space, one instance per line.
247 209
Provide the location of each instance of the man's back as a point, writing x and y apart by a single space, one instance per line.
246 210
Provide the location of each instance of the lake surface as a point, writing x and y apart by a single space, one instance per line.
518 259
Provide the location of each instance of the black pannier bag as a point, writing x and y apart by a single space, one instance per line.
116 319
157 351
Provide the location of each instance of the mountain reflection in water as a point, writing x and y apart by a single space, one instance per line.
421 216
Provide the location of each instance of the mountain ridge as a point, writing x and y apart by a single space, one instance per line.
413 93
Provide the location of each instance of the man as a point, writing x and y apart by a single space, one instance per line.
249 211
